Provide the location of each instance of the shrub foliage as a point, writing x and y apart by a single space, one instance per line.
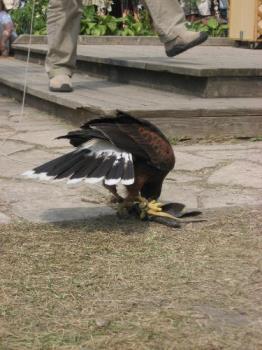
98 24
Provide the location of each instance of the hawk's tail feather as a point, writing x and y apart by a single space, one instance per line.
85 165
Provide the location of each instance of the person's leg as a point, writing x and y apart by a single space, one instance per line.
13 37
5 41
170 23
63 23
1 36
168 17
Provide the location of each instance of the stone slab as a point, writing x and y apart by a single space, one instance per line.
239 173
9 147
199 61
202 196
18 163
103 95
45 138
41 202
251 154
4 219
197 73
176 114
181 193
182 177
189 162
235 148
118 40
222 197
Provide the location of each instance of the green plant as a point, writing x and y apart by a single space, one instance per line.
22 17
212 27
93 23
139 24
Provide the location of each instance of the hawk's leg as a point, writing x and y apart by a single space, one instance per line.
116 197
133 191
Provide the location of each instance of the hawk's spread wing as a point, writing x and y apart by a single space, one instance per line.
106 150
138 137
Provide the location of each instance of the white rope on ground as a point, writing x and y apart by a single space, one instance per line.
21 114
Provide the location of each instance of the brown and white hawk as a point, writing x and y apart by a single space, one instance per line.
114 150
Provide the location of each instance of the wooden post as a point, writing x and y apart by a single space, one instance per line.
244 20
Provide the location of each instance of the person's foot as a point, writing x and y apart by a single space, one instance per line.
5 52
60 83
184 42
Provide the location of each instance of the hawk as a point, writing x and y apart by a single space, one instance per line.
114 150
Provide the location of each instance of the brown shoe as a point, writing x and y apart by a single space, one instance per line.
60 83
184 42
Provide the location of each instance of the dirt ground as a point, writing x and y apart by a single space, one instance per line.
122 285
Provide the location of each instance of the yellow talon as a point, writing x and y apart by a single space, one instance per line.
155 206
146 209
152 208
163 215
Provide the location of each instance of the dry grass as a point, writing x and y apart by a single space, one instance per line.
128 285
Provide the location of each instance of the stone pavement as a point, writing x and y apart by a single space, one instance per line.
206 176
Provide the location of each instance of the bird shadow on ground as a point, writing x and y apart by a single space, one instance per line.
74 213
104 218
91 220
